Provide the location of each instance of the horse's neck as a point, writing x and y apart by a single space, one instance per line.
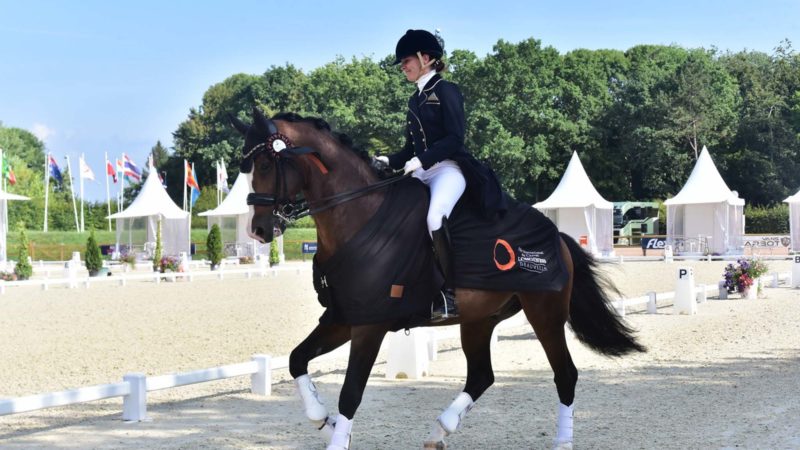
339 224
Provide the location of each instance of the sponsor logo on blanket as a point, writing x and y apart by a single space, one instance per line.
532 261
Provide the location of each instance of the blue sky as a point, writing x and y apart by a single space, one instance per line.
95 76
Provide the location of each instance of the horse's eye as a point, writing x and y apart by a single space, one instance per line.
264 166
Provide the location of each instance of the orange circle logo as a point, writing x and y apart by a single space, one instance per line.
512 260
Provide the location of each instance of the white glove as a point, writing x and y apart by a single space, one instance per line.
411 165
383 159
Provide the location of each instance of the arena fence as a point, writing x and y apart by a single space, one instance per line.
135 386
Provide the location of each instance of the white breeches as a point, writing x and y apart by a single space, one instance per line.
447 184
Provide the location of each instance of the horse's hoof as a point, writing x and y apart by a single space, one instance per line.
438 445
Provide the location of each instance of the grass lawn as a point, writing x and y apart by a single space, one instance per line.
59 245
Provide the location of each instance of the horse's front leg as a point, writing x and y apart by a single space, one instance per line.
324 339
365 344
476 335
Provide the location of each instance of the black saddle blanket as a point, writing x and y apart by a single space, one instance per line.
386 272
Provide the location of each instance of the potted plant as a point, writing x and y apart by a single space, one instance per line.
157 252
214 246
94 261
23 269
743 276
170 264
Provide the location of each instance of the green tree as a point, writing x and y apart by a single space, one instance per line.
214 246
159 249
94 261
23 268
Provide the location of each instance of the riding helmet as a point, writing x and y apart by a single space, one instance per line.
418 41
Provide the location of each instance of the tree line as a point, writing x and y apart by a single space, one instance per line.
638 118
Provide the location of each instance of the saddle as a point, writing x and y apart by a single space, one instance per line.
386 272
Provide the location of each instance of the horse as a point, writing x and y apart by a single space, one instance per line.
288 156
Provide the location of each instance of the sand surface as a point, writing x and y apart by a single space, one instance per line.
727 377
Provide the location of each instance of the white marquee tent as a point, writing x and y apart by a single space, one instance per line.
138 223
794 220
233 218
705 212
4 198
578 209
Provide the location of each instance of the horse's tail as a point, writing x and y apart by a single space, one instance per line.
592 316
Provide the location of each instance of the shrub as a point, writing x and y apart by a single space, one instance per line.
94 260
214 245
23 269
159 249
767 219
274 256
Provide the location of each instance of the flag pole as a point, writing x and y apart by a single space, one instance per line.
72 191
81 162
122 185
185 179
46 187
108 191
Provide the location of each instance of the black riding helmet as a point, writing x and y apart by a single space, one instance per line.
418 41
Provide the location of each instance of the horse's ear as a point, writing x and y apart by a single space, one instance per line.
259 119
240 126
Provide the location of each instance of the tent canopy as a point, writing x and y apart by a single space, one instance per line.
705 185
4 197
579 210
575 190
152 200
236 201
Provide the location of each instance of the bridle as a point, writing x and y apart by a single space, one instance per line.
285 155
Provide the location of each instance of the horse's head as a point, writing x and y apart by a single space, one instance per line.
275 176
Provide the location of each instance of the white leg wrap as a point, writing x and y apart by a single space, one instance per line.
563 438
341 434
326 428
312 405
451 418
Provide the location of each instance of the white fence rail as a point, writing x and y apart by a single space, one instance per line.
135 386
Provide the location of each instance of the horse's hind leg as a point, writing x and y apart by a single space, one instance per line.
323 339
547 313
364 346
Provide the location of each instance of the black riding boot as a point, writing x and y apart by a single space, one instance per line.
444 307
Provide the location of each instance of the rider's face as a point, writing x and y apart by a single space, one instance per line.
412 67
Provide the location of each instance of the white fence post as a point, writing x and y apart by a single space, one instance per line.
723 291
796 271
701 293
775 280
433 345
652 308
685 296
261 381
134 405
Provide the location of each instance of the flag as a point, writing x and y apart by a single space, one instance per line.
131 171
110 171
222 178
191 181
55 172
8 172
86 171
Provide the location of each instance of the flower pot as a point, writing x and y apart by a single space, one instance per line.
752 293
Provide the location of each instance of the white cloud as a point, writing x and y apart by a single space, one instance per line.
42 132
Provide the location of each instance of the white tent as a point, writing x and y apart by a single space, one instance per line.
4 198
794 220
138 223
705 213
233 218
579 210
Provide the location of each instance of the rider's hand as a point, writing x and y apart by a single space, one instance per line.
412 165
383 159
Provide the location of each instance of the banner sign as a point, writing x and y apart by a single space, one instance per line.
653 243
766 241
309 247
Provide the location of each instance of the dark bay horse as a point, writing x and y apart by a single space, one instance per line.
289 155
